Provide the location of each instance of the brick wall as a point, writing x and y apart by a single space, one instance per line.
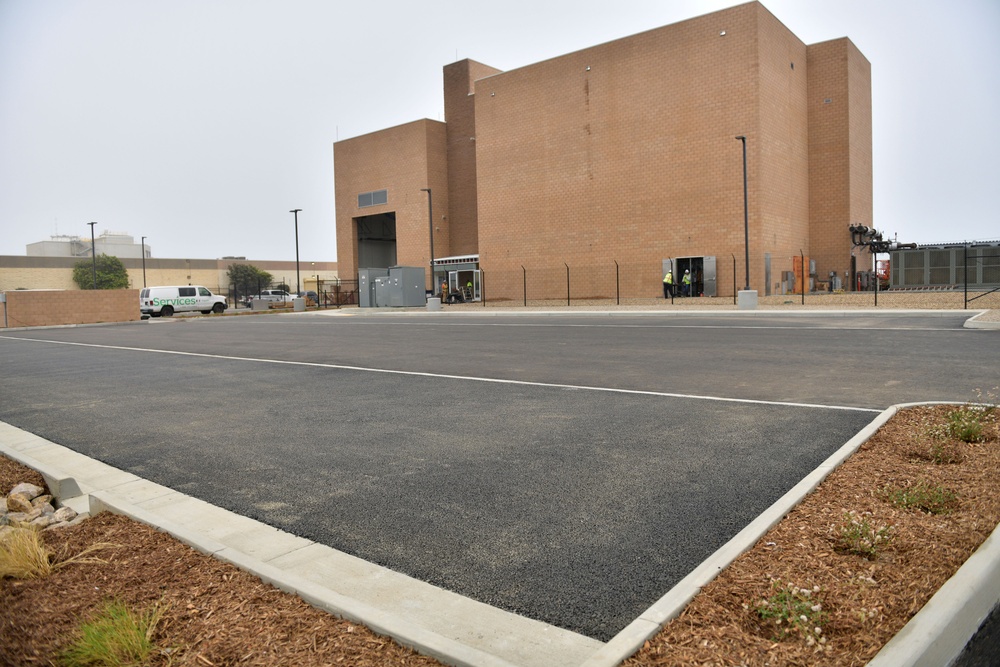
46 308
627 150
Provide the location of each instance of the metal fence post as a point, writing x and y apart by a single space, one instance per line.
618 289
802 261
567 282
965 271
734 278
524 282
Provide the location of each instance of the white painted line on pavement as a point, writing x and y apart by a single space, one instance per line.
445 376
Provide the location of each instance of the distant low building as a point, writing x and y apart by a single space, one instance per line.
117 244
56 272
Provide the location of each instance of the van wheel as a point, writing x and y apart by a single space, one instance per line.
218 308
167 311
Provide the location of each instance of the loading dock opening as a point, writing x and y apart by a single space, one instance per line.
376 236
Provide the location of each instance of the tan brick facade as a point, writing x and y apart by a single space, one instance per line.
626 153
59 307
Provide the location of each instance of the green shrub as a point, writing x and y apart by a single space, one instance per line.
922 496
794 611
859 534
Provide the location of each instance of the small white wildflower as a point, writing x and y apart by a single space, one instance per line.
818 630
815 589
816 607
803 618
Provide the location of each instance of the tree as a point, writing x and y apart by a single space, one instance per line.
111 273
248 279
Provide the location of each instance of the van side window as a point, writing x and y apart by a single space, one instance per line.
185 291
203 292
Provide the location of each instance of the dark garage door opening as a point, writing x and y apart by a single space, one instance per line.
376 240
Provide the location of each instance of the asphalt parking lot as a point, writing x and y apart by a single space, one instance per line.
570 468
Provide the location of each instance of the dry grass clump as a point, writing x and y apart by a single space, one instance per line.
24 554
116 636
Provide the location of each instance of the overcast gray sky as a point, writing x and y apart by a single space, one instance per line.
200 123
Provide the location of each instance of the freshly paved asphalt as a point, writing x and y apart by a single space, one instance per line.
571 469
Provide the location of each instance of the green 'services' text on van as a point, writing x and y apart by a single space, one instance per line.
166 301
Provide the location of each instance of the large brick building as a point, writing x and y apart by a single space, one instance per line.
624 155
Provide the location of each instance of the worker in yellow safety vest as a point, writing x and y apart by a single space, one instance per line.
686 283
668 285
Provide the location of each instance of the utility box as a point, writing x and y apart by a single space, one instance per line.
395 287
407 286
383 286
366 286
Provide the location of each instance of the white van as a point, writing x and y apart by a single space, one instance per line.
166 301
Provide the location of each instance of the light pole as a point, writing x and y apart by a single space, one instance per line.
93 255
430 220
296 212
746 214
143 261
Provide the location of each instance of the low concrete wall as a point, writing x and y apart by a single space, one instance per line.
28 308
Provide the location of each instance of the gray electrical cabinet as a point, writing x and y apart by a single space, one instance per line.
366 286
407 286
383 285
395 287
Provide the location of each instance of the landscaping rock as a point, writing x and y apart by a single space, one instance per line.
18 503
28 503
30 491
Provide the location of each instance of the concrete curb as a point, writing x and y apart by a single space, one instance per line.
938 633
631 639
406 633
435 622
621 312
976 322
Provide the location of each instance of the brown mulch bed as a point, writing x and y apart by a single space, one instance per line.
219 615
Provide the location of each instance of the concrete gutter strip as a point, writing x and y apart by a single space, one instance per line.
631 639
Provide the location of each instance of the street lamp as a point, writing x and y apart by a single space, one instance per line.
93 255
143 261
430 220
296 212
746 214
